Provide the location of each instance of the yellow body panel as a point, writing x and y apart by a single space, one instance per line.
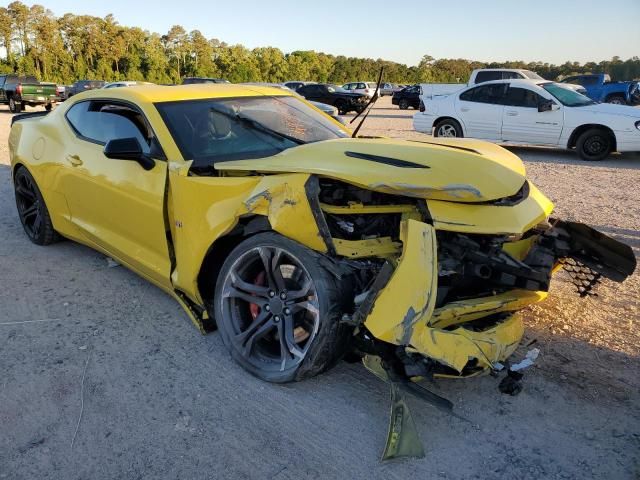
410 296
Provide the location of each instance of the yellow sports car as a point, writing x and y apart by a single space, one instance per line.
263 217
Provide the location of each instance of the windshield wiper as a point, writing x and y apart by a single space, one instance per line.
231 113
370 104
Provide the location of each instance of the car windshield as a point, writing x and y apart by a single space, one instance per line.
532 75
567 96
217 130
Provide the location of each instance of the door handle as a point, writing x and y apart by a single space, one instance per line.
74 160
511 113
464 109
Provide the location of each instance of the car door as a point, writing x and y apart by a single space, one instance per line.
116 204
523 123
480 110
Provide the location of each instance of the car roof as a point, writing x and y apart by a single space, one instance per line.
172 93
514 81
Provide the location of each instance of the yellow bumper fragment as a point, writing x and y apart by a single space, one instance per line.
404 311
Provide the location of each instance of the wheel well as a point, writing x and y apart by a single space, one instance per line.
613 95
583 128
220 249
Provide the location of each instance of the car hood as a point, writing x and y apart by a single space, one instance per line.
611 109
455 170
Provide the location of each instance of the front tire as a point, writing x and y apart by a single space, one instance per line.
403 104
342 107
594 145
448 128
32 210
278 309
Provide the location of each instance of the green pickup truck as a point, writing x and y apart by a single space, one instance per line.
19 91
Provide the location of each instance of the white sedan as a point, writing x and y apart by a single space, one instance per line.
532 112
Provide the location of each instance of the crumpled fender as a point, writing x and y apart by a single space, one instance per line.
290 202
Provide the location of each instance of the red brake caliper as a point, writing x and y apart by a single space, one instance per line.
254 308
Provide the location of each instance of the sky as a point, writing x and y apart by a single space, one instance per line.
551 31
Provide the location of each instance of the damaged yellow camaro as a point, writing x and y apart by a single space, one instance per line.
263 217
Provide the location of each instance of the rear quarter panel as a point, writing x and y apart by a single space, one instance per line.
38 144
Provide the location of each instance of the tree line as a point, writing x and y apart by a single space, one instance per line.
73 47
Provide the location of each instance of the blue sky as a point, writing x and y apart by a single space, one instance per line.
551 31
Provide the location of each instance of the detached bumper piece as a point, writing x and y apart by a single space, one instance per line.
587 255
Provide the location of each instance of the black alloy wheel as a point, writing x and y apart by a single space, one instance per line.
277 309
32 210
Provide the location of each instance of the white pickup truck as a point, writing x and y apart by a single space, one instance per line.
482 75
532 112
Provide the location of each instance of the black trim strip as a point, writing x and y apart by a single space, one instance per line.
22 116
385 160
312 189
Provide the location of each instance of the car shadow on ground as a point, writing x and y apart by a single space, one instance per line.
629 161
626 235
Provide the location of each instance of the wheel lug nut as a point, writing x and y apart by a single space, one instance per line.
287 311
283 295
267 308
272 293
276 318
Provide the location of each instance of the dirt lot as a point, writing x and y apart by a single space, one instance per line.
162 401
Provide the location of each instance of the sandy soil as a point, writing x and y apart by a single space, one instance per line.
162 401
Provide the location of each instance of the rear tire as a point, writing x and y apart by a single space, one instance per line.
448 128
403 104
32 210
594 145
14 107
278 309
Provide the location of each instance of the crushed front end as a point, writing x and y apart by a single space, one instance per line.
441 297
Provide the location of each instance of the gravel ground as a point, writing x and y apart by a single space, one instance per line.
114 357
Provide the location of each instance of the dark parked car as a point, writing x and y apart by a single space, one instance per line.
344 101
84 85
192 80
407 97
295 84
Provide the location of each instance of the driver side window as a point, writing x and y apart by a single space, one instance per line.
102 121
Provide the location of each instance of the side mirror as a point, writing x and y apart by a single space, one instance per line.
128 149
547 106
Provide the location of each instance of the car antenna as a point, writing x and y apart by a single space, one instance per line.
370 104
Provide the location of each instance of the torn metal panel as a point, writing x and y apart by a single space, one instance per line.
374 247
471 309
459 192
411 289
286 200
454 348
